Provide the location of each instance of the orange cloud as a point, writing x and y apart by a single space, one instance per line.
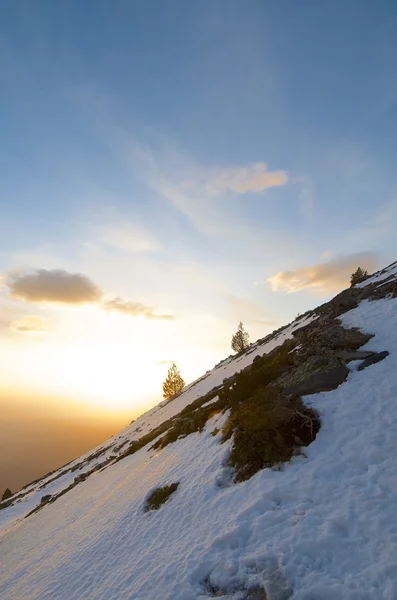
323 278
134 309
55 285
59 286
29 324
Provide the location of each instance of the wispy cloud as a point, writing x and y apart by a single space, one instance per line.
242 180
196 195
116 228
134 309
9 312
54 285
127 237
30 324
323 278
306 198
194 190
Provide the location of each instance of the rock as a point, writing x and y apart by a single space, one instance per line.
316 374
335 337
45 499
372 360
346 300
344 303
307 327
353 354
320 381
256 593
383 290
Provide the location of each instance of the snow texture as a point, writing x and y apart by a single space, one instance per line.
64 477
387 273
321 528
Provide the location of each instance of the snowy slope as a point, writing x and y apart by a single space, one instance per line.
60 480
384 275
321 528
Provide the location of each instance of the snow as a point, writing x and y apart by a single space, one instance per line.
210 402
379 276
321 528
143 425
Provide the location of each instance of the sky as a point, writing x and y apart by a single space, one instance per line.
169 168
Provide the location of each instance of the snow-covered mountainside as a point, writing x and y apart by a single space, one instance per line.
274 477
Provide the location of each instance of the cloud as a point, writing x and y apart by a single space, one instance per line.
59 286
29 324
323 278
117 230
134 309
195 190
175 177
240 180
54 285
127 238
307 199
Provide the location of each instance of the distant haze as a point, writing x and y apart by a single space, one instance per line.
34 443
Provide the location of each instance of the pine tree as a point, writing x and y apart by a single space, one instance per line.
358 276
240 340
174 383
7 494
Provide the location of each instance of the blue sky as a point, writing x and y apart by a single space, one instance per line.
209 161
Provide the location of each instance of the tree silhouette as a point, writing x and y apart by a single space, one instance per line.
358 276
240 340
174 383
7 494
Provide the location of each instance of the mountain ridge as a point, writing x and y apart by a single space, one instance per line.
128 459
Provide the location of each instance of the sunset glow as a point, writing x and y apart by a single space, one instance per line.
172 169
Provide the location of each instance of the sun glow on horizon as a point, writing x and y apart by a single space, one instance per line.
111 363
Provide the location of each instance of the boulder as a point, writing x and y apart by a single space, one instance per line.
372 360
316 374
348 355
335 337
320 381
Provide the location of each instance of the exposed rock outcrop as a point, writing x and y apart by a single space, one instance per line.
373 359
316 374
324 349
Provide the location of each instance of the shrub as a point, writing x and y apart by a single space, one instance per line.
263 370
185 425
159 496
268 429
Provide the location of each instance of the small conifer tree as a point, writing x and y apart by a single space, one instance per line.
7 494
240 340
358 276
174 383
